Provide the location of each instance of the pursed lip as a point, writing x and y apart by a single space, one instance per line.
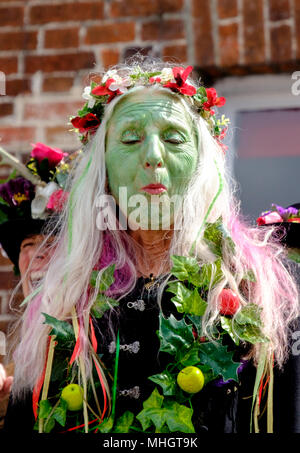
154 189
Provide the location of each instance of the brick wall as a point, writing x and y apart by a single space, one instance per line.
47 48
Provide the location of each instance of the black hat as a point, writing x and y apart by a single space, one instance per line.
287 223
14 231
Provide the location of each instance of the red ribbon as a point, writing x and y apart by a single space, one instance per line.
39 384
76 350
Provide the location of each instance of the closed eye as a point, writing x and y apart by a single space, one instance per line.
130 137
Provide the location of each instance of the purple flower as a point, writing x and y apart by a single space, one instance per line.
15 191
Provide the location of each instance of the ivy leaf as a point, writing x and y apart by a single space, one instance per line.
186 268
179 417
154 400
176 336
294 256
101 304
60 412
211 274
197 323
219 359
245 326
49 425
124 422
106 426
186 300
191 357
62 330
157 416
107 278
250 333
166 381
249 314
152 411
213 236
226 324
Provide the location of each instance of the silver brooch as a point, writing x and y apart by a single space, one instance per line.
132 393
137 305
134 347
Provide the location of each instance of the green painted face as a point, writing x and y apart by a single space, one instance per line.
151 151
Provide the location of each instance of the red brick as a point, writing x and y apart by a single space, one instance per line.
17 86
110 57
57 83
64 62
279 9
280 43
7 280
21 134
51 110
11 15
62 39
116 32
6 109
62 137
144 7
229 47
204 53
227 8
163 30
18 40
9 65
254 41
64 12
177 53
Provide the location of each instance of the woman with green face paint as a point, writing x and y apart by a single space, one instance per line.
170 313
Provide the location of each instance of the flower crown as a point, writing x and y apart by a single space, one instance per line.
203 99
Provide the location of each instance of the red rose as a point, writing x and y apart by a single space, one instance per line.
41 152
85 123
228 302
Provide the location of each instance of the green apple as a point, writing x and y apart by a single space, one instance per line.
190 379
72 394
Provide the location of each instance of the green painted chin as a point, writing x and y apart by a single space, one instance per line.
151 154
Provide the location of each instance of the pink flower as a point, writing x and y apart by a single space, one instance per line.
41 152
213 100
57 200
270 217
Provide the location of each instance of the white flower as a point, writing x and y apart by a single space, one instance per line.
112 74
87 96
121 84
39 203
166 75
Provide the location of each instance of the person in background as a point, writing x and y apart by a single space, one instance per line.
27 206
